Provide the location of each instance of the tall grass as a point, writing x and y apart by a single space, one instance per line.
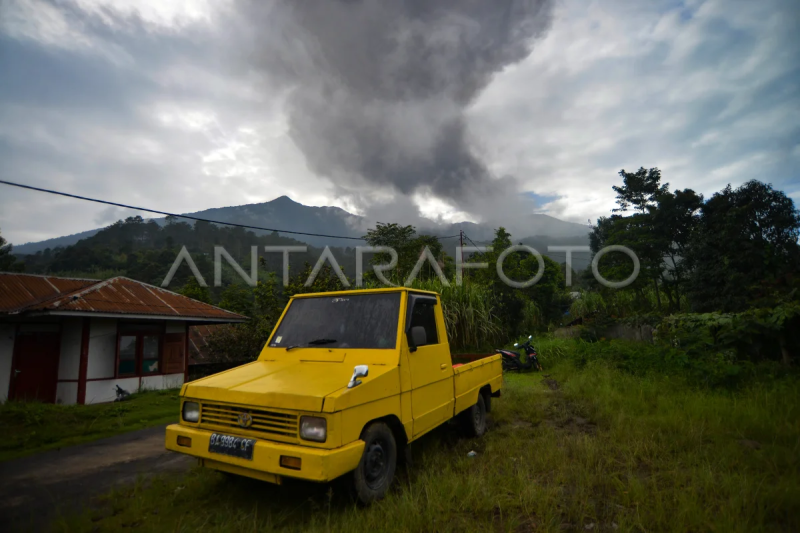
31 427
587 304
608 451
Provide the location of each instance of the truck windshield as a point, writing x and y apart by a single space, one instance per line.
351 321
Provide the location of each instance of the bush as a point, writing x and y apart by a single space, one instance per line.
709 369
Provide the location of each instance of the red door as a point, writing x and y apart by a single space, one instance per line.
35 372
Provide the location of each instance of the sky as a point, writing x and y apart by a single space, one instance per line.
399 111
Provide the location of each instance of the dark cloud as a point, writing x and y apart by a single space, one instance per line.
381 107
379 89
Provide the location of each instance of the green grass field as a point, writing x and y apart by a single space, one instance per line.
32 427
589 449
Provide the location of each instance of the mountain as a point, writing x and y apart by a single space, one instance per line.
536 224
281 213
56 242
285 213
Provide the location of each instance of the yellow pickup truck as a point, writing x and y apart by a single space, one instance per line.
346 381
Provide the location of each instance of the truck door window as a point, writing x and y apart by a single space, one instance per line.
423 315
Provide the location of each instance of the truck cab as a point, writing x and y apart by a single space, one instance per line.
345 382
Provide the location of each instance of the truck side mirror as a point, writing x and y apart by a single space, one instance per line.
418 337
360 371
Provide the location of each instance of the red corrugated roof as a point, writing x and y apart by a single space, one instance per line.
119 296
20 291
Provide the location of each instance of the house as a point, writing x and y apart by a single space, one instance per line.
68 340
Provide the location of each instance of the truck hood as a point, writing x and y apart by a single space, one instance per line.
294 385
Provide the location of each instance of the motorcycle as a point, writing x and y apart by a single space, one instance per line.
513 360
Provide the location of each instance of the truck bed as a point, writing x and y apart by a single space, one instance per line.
469 378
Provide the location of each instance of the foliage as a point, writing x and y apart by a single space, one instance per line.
243 342
588 303
639 189
194 290
31 427
325 281
9 263
753 335
745 252
659 233
737 250
521 309
237 298
608 451
145 250
408 245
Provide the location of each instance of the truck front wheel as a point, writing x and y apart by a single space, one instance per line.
375 472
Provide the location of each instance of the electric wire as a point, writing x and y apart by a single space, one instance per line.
188 217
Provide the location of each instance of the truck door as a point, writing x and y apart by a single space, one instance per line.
432 399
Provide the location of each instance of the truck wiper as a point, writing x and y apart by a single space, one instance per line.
310 343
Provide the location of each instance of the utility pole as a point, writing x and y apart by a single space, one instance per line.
461 250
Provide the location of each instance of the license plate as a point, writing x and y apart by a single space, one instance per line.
233 446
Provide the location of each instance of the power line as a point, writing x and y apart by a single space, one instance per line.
189 217
470 240
176 215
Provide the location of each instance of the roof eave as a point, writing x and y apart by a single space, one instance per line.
213 320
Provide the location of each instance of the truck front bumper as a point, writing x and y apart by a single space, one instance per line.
315 464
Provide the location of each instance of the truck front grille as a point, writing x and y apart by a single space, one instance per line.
270 424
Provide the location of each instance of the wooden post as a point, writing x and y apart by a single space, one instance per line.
84 360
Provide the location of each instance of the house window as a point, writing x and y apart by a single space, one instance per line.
150 345
127 355
139 350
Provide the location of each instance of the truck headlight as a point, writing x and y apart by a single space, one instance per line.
191 411
313 428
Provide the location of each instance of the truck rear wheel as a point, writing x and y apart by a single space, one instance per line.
375 472
473 420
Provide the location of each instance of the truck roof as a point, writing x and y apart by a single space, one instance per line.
364 291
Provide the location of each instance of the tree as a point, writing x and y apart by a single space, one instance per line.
408 245
675 221
513 305
245 341
658 232
326 281
9 263
193 290
237 299
745 251
636 233
639 189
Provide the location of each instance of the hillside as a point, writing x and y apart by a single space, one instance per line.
285 213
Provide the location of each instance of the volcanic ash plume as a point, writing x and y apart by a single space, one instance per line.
380 88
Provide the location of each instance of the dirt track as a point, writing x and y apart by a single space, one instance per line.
33 490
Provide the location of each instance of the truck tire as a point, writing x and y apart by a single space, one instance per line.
375 472
473 420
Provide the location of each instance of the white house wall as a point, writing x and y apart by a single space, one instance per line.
105 390
102 350
6 353
167 381
67 392
69 361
